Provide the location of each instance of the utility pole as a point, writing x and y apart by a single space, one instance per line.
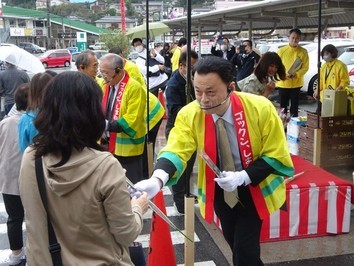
49 33
122 12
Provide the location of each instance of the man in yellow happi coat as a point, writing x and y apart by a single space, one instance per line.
259 152
156 110
124 105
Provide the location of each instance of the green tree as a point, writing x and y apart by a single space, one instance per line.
114 39
111 12
130 9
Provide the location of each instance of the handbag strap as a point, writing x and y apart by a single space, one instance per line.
54 246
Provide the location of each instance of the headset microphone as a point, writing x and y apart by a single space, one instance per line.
212 107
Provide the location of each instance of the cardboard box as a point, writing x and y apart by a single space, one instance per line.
330 124
334 103
293 127
293 144
337 140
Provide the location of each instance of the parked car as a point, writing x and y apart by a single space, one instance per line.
31 47
72 49
97 46
310 78
273 47
348 58
270 47
133 56
7 44
56 58
99 54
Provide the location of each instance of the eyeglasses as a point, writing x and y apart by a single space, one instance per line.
104 73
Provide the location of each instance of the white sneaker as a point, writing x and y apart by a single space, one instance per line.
18 260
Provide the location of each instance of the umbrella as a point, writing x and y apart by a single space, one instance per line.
155 29
21 58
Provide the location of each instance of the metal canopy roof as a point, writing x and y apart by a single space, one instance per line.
269 15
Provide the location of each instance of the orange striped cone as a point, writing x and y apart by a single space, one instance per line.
162 101
161 252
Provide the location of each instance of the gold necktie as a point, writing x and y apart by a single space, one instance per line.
227 161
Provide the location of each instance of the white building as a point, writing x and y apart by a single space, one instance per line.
42 4
114 22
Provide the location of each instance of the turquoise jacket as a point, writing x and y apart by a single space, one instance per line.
26 130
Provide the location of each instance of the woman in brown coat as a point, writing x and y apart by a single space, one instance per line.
89 205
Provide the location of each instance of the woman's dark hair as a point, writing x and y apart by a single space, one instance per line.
330 48
51 72
267 59
21 96
37 87
71 116
217 65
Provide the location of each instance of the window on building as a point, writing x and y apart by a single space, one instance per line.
12 22
21 23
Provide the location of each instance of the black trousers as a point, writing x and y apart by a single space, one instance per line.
179 189
152 135
133 165
162 86
241 227
290 94
14 209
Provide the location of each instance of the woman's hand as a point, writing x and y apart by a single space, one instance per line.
270 85
142 201
315 94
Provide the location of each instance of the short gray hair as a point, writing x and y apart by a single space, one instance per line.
114 60
84 58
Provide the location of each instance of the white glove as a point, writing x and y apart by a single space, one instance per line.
151 186
232 180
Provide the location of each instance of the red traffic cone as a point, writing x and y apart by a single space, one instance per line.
161 252
162 101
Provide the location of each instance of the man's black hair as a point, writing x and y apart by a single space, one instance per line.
137 40
296 30
182 41
217 65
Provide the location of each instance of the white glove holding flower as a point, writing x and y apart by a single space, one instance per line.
151 186
232 180
154 184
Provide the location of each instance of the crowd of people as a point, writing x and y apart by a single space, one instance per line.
90 130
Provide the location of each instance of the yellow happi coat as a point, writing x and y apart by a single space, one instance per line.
267 141
130 142
156 110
